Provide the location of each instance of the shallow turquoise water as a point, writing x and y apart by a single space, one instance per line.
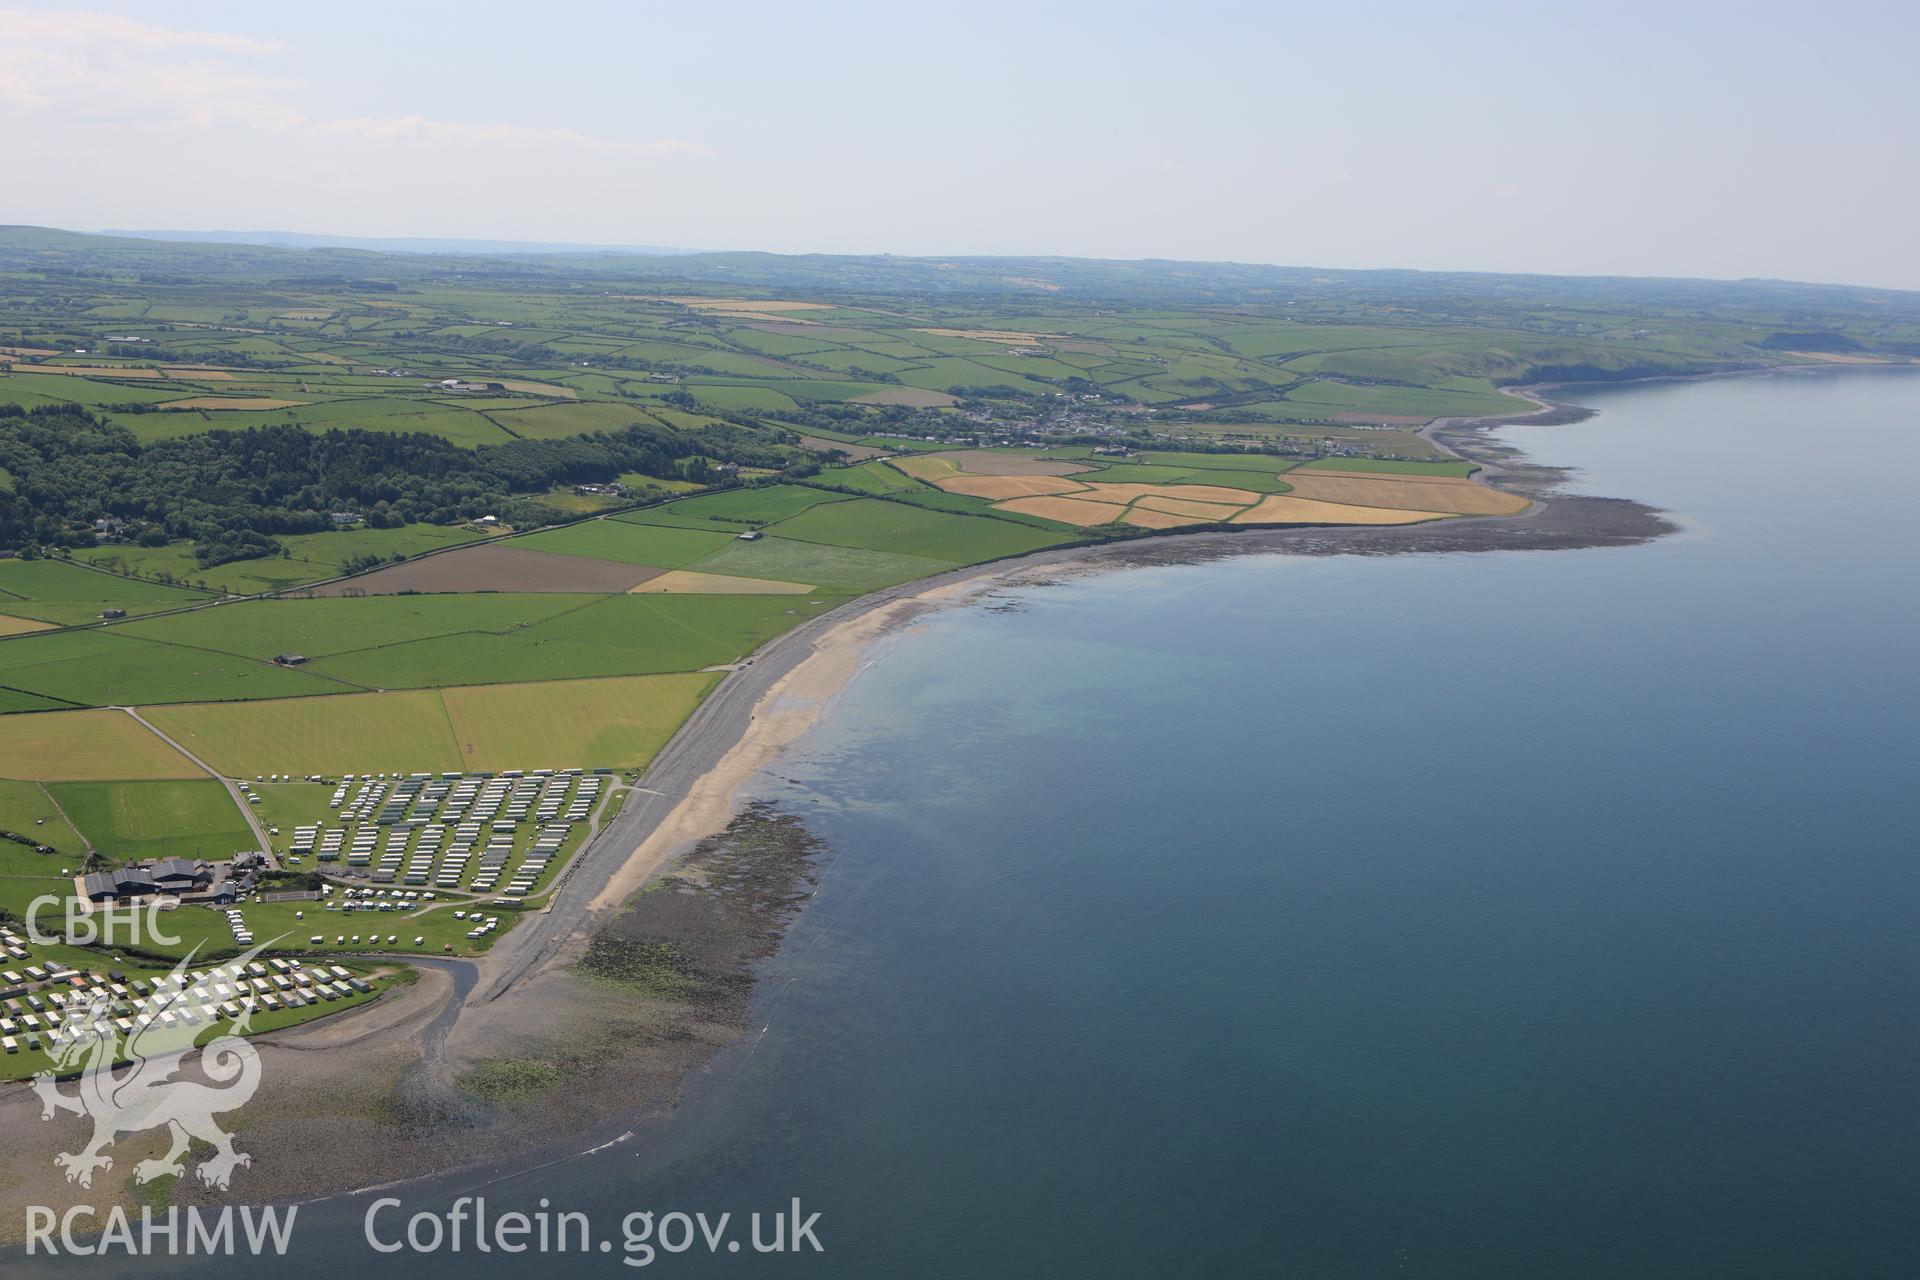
1501 914
1511 914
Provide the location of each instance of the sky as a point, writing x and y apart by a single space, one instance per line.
1688 138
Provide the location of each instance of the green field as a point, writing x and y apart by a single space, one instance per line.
1151 470
63 581
26 809
355 733
831 568
741 508
898 528
310 557
236 405
617 635
106 668
140 820
617 723
1392 467
336 624
68 594
868 477
83 745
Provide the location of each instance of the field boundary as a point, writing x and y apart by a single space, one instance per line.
233 792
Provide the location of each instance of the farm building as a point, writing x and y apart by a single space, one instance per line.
169 875
118 886
290 659
177 875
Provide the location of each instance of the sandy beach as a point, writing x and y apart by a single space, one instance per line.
385 1095
784 713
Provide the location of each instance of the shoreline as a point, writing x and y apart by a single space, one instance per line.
725 745
411 1053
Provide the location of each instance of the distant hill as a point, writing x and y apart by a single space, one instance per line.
387 244
1619 308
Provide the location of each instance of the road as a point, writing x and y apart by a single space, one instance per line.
253 819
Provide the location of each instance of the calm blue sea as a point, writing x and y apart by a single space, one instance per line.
1511 914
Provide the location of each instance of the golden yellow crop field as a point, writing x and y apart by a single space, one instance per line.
1284 508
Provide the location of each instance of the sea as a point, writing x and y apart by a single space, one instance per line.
1536 914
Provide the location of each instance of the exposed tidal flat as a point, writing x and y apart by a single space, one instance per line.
1476 914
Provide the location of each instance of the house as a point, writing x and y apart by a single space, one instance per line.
346 517
486 520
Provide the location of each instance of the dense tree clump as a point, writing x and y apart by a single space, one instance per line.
230 492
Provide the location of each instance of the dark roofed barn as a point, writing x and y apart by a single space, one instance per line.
133 881
177 874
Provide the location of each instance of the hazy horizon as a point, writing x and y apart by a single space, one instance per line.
1706 142
281 237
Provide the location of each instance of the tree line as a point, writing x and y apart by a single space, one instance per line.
230 492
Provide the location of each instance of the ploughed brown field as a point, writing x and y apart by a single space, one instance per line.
1454 494
495 568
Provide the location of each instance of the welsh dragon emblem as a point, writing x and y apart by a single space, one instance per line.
149 1092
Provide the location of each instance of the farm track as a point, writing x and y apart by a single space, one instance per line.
246 810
